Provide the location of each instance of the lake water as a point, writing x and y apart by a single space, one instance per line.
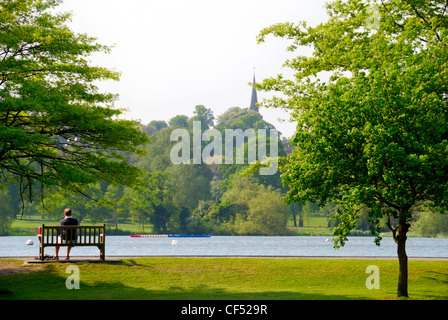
235 246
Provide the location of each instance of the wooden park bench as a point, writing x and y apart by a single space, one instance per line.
73 236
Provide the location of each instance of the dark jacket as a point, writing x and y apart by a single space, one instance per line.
69 234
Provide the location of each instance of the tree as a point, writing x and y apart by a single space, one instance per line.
204 115
431 224
244 119
374 135
191 183
257 210
158 157
57 129
152 199
7 213
179 121
238 118
113 196
158 124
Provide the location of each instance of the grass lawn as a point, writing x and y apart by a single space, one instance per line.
29 225
224 278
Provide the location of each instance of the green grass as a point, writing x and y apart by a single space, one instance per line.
226 278
312 226
29 225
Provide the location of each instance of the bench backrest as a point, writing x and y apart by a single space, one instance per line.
76 235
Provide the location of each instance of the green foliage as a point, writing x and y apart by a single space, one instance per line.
180 121
247 208
151 200
374 135
191 184
238 118
204 115
371 141
197 201
158 124
431 224
6 212
158 157
64 142
56 128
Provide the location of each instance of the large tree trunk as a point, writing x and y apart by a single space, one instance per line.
400 239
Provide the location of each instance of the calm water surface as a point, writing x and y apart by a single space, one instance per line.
235 246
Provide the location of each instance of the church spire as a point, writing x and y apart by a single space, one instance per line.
254 98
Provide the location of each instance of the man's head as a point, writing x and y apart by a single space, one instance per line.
68 212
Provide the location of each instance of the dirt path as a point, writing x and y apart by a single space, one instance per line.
9 267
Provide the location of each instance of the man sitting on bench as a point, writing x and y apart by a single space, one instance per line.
67 235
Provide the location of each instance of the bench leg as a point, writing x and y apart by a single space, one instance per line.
102 253
41 253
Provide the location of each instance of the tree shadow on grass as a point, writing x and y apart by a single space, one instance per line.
50 285
437 276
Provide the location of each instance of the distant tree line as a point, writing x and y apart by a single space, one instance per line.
182 198
187 198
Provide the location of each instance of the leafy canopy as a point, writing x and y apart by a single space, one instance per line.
56 128
374 133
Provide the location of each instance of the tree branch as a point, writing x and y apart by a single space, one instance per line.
389 225
423 18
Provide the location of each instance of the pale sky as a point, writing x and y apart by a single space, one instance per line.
176 54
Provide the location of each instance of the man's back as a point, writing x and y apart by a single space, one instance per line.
69 221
